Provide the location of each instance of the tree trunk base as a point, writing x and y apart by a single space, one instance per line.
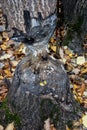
40 90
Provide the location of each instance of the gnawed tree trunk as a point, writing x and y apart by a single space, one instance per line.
40 90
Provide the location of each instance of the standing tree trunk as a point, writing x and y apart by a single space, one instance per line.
33 19
74 9
27 14
75 14
68 7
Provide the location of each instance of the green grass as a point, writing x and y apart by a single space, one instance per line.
9 116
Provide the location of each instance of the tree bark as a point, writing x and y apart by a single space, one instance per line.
68 7
38 93
74 9
15 11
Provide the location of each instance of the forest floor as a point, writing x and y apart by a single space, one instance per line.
11 53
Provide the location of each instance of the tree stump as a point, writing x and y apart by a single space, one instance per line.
40 90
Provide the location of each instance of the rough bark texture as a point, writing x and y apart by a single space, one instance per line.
75 14
74 9
35 103
81 10
31 19
16 9
68 7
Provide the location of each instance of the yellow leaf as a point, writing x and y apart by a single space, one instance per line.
21 47
7 72
85 65
79 99
75 86
70 55
43 83
52 40
53 48
1 77
67 51
5 35
67 128
83 71
3 47
84 120
0 39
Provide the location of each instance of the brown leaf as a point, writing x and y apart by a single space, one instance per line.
3 47
82 89
52 127
5 36
3 91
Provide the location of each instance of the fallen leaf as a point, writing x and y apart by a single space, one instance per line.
1 77
24 50
14 63
21 47
52 40
67 128
47 124
77 123
10 52
53 48
7 72
85 81
76 70
52 127
68 52
1 65
5 36
75 86
80 60
43 83
3 91
61 52
83 71
85 94
5 56
3 47
1 127
84 120
1 39
10 126
63 60
82 89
